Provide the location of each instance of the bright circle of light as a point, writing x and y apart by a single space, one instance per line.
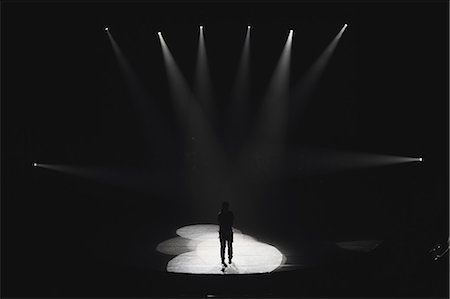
249 255
200 231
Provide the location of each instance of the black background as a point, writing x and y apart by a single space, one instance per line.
64 101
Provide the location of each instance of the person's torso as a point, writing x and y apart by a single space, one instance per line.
226 221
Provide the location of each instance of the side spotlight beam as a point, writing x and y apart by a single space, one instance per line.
136 179
323 161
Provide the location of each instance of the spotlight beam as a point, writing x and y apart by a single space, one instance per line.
204 152
161 181
308 161
202 77
271 123
306 85
240 93
274 109
181 93
148 114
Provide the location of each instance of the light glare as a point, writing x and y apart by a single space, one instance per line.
34 164
106 28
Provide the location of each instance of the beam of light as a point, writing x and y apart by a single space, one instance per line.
360 246
179 88
136 179
274 107
203 88
143 105
209 168
240 93
198 252
323 161
306 85
271 123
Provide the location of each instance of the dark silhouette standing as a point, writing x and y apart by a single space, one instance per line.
225 219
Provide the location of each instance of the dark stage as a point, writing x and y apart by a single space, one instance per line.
126 125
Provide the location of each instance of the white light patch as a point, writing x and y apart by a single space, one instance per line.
200 231
34 164
249 255
106 29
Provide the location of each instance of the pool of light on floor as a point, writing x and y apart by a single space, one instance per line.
199 252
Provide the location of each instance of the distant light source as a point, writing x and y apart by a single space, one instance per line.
291 31
420 159
345 25
248 26
106 28
201 27
159 33
34 164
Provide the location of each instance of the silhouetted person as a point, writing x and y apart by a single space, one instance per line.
225 219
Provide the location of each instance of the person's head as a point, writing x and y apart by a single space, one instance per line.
225 206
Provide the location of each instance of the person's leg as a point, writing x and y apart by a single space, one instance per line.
230 250
222 250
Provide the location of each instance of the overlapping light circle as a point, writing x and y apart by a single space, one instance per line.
249 255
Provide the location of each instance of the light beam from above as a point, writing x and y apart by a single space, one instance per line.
149 115
203 89
239 99
273 113
306 85
180 90
271 120
198 136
